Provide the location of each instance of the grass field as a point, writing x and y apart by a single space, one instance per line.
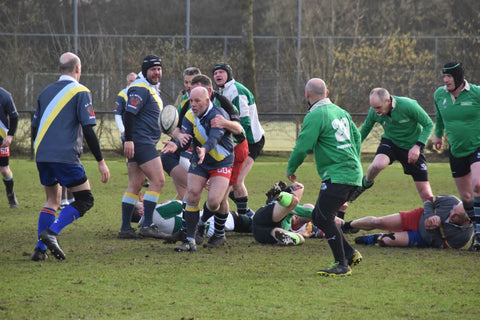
107 278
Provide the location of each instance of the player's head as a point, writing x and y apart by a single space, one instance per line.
152 68
130 78
203 81
222 73
188 75
69 63
315 89
380 101
455 71
199 101
458 215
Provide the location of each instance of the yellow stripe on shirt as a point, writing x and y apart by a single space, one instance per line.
51 111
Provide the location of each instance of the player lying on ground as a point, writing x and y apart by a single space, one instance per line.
441 223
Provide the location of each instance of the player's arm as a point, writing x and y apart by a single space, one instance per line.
94 145
367 124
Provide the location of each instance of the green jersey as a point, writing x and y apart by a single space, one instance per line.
460 118
406 125
329 131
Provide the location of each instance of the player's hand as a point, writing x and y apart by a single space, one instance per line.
201 154
218 122
170 147
129 149
291 177
413 154
432 222
104 171
183 138
437 142
6 141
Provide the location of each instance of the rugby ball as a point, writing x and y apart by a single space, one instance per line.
168 119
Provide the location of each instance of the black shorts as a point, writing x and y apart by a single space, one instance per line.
417 170
144 153
262 225
331 197
461 166
255 149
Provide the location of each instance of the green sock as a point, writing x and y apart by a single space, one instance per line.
284 199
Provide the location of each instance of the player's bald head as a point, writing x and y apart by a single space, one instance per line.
315 89
199 92
67 62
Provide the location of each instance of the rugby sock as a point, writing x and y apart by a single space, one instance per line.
219 226
45 220
366 184
207 214
341 214
8 183
128 204
170 209
284 199
476 214
191 215
231 195
67 216
150 200
242 205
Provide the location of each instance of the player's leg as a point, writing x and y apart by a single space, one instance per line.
217 202
475 174
129 199
150 163
7 176
396 239
380 162
392 222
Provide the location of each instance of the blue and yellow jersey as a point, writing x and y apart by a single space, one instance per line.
217 142
145 103
63 107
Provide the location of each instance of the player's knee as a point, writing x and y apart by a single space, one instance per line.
83 201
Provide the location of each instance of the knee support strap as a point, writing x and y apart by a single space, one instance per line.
83 201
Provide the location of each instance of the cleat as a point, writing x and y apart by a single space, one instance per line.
475 246
336 270
355 259
39 254
50 239
215 242
368 239
186 246
275 190
153 232
284 239
200 234
128 234
12 200
180 235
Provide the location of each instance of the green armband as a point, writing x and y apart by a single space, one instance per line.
284 199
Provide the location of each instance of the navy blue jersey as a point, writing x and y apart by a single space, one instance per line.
7 111
145 103
217 142
63 108
121 102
